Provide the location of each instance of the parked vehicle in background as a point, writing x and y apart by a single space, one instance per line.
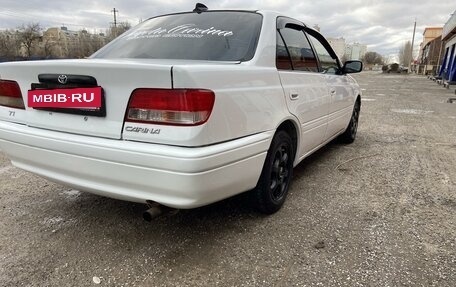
193 108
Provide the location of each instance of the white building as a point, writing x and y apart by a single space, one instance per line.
338 44
355 51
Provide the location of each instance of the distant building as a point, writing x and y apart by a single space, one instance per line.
55 42
355 51
60 42
448 68
429 34
430 54
338 45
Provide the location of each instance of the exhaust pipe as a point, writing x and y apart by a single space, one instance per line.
155 210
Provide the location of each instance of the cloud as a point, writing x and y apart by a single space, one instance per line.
382 25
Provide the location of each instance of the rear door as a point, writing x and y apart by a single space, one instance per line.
305 88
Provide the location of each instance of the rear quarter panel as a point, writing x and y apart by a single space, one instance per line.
248 99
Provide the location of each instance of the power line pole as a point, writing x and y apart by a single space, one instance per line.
413 41
115 11
114 29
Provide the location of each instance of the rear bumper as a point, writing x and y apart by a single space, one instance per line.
178 177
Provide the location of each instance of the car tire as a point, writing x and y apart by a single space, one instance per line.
272 187
349 134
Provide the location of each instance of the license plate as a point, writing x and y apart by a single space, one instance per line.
75 98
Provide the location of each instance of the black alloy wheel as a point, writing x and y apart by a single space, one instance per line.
349 135
272 188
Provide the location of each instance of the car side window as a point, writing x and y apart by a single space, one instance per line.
283 61
328 64
298 49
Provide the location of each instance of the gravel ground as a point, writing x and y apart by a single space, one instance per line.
378 212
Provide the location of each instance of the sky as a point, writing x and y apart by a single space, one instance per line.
383 25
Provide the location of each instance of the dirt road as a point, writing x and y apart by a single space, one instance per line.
379 212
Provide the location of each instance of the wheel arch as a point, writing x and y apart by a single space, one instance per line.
292 128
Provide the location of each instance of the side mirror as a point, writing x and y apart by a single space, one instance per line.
352 67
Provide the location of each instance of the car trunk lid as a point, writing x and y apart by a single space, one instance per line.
117 78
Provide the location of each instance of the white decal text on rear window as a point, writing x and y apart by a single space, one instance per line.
181 31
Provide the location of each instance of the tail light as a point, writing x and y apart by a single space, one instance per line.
10 95
182 107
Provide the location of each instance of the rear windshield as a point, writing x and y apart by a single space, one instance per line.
213 36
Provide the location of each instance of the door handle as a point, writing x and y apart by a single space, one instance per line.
294 96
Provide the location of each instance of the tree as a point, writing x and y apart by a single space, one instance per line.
85 44
405 54
8 44
30 40
49 48
28 36
372 58
118 30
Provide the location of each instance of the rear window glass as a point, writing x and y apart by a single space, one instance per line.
213 36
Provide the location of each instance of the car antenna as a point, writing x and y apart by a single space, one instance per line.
199 8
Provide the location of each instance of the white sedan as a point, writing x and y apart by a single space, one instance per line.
183 110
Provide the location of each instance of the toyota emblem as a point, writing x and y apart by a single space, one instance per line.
63 79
